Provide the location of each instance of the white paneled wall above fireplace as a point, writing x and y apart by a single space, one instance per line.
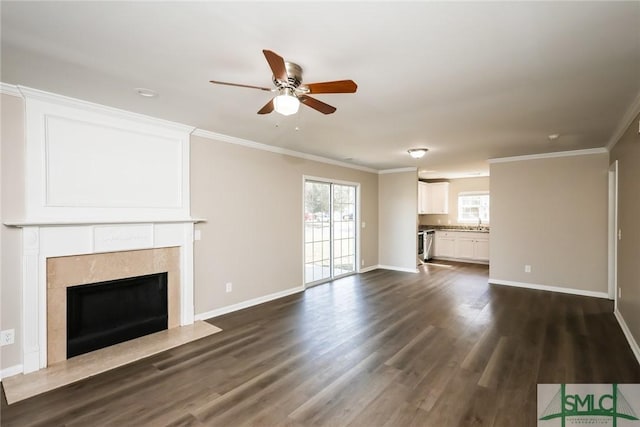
86 161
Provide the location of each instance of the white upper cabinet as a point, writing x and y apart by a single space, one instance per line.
437 200
422 197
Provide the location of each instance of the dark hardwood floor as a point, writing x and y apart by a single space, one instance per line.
440 348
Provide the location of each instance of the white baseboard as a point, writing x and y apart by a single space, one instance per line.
368 269
468 261
394 268
627 333
571 291
10 371
246 304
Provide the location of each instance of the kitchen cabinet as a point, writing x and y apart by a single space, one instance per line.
422 197
474 246
481 249
433 197
445 244
462 245
437 198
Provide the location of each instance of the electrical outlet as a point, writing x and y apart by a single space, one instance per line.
527 268
7 337
364 224
229 286
197 235
362 262
619 293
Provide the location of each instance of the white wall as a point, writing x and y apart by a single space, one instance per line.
551 214
398 228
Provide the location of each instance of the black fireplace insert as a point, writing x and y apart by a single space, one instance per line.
108 313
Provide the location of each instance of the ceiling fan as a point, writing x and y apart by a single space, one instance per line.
287 79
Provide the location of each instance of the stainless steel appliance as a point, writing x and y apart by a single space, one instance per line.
421 245
428 245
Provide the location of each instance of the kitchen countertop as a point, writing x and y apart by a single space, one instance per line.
462 228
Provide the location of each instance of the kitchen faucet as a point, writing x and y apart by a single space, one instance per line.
479 223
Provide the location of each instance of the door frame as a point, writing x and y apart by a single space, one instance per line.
306 178
612 234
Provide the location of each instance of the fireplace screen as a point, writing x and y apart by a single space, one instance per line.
108 313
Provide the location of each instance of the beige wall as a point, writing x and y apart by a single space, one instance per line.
397 208
12 190
627 152
456 186
551 214
252 201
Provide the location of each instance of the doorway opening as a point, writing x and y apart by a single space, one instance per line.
330 231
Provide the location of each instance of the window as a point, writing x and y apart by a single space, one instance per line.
473 206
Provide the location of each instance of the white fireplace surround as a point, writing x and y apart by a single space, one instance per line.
98 180
47 241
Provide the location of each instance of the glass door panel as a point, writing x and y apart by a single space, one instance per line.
344 225
317 231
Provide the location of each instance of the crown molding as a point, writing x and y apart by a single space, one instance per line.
65 101
8 89
398 170
273 149
588 151
625 122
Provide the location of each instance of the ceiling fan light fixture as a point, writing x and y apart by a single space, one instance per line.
147 93
286 103
417 153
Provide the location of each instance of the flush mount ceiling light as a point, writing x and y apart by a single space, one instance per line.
553 136
417 153
286 103
147 93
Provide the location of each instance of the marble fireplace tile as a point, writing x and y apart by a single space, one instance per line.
63 272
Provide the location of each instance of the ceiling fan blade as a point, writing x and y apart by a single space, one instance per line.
316 105
239 85
277 65
339 86
268 107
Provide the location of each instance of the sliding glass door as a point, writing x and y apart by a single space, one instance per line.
329 230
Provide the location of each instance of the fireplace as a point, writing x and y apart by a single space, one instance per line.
100 278
107 313
97 181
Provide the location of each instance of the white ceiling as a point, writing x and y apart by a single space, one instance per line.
470 81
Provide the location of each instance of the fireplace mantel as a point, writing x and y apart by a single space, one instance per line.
45 223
